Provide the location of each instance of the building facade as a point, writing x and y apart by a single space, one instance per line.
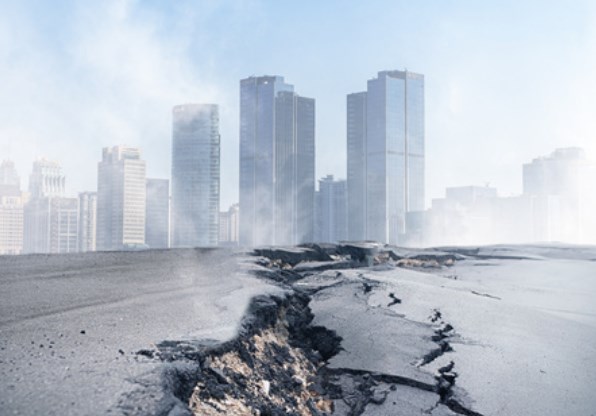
277 163
50 218
11 224
64 221
195 175
157 217
331 211
392 135
229 226
561 186
356 182
46 179
87 221
11 210
121 187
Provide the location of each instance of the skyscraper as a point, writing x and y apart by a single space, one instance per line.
356 183
9 176
11 210
277 163
393 168
195 175
120 199
46 179
157 218
228 226
331 211
50 219
87 221
561 186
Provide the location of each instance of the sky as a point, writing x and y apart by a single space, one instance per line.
505 81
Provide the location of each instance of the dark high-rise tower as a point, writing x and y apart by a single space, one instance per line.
385 155
277 163
195 175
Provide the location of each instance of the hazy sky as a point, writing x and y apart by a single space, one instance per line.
506 81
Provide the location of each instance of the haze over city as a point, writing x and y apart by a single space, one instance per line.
504 83
301 208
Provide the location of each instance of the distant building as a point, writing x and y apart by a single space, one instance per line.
277 163
331 211
64 220
195 175
11 210
51 225
386 124
561 186
356 183
557 205
9 176
11 224
157 218
465 216
87 221
46 180
50 219
229 226
560 173
224 227
121 186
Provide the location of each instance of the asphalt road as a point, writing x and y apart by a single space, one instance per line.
524 319
70 324
524 337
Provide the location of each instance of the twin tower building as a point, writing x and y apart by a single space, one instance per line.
385 160
385 163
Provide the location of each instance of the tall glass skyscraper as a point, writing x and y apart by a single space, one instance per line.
195 175
277 163
385 155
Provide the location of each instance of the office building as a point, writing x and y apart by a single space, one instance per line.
466 215
277 163
87 221
386 125
356 182
331 210
228 226
11 210
561 186
50 218
46 179
195 175
121 186
157 217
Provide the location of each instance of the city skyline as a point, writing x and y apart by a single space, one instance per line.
498 103
556 206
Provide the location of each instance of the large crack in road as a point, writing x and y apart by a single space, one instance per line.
279 362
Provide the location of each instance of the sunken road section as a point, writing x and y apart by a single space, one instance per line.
279 363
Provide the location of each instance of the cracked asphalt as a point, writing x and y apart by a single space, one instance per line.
510 329
70 324
524 337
